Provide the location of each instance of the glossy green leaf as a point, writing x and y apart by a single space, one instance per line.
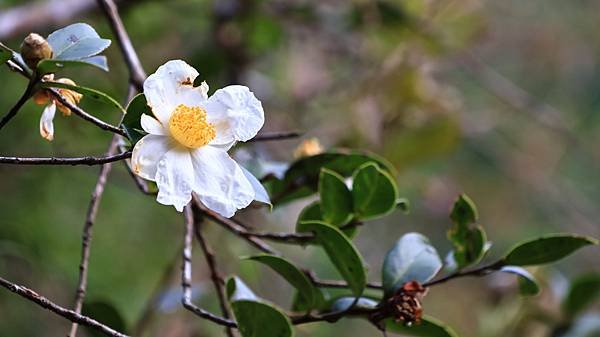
344 303
546 249
584 290
300 304
259 319
106 313
291 274
301 178
527 284
468 240
238 290
429 327
87 92
76 42
374 192
342 253
132 119
312 212
52 66
336 199
412 258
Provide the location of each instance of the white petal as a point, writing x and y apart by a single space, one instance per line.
147 153
220 182
175 178
236 113
46 124
152 126
173 84
259 190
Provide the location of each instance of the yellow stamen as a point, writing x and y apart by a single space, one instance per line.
189 127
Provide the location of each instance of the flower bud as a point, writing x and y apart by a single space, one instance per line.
34 49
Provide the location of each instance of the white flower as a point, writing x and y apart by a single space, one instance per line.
185 150
42 97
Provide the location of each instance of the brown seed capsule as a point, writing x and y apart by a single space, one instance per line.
406 303
34 49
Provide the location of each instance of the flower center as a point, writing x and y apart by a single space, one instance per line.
189 127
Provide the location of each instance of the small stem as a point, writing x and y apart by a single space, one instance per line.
480 271
277 135
65 161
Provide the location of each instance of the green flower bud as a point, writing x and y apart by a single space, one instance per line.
34 49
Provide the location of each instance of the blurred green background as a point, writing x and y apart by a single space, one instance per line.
497 99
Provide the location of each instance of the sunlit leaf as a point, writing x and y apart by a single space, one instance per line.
336 199
76 42
374 192
344 303
527 283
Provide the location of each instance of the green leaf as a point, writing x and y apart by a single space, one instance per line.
300 304
76 42
468 240
88 92
429 327
259 319
293 275
132 119
344 303
412 258
546 249
527 284
301 178
584 291
52 66
238 290
342 253
336 199
312 212
106 313
374 192
5 55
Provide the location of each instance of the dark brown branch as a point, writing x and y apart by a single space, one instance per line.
235 228
81 113
86 239
65 161
215 276
66 313
136 72
267 136
186 275
479 271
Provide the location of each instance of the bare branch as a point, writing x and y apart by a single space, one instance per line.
214 273
278 135
86 240
186 275
136 72
65 161
66 313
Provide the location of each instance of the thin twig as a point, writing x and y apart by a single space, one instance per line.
186 275
214 273
86 239
63 312
15 109
479 271
235 228
136 71
86 116
278 135
65 161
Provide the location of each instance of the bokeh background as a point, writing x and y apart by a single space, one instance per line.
498 99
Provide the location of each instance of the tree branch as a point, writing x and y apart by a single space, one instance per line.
136 71
86 240
66 313
186 275
276 135
65 161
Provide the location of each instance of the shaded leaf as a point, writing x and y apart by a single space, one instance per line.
336 199
342 253
238 290
76 41
374 192
312 212
106 313
88 92
132 119
546 249
527 284
344 303
467 239
293 275
52 66
429 327
259 319
412 258
584 290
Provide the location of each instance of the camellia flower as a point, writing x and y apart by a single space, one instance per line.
185 150
42 97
